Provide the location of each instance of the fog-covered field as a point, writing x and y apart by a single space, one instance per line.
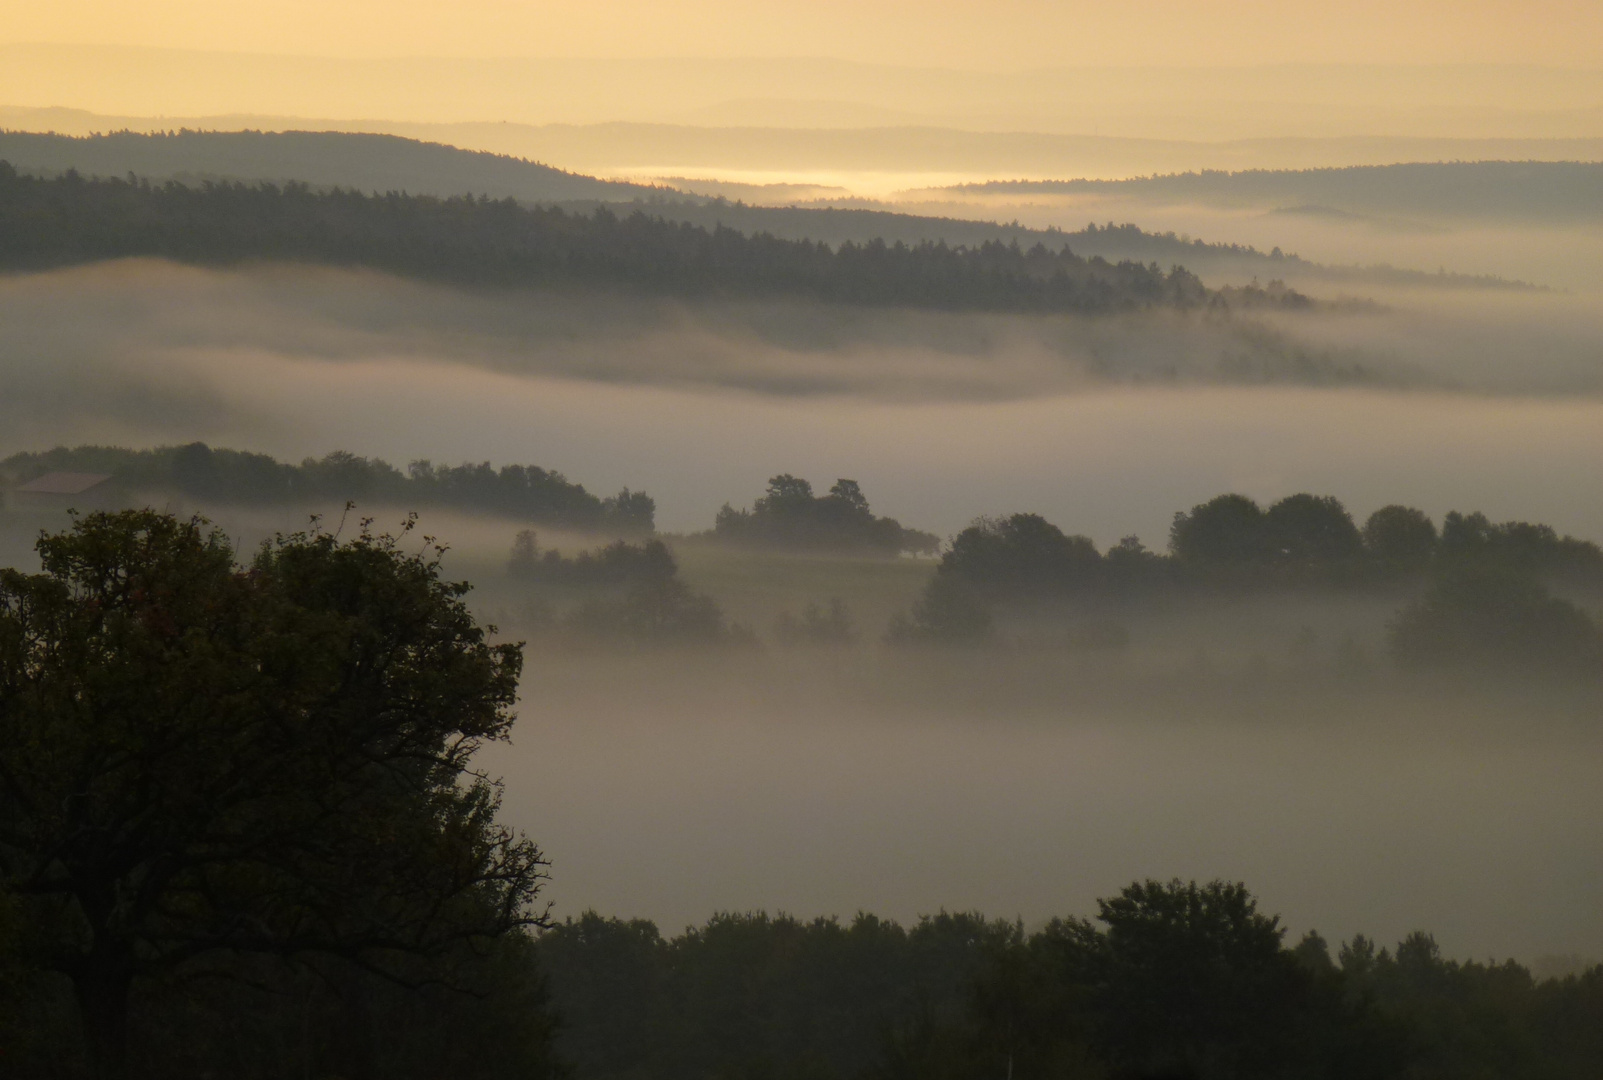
804 788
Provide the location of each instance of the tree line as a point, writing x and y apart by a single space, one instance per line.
1482 590
1171 979
1479 594
1302 540
479 241
218 475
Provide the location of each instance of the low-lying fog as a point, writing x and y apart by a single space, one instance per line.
676 793
673 787
1106 425
1562 255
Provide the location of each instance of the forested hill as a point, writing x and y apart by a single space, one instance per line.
369 162
477 241
366 162
1210 260
1509 190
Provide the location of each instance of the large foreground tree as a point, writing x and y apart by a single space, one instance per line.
202 759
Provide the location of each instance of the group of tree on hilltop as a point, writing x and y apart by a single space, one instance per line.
789 516
72 219
1486 599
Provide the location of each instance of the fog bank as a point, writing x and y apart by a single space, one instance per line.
672 795
940 417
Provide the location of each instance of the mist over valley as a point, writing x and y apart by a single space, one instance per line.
844 567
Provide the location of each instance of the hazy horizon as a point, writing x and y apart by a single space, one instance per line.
1350 99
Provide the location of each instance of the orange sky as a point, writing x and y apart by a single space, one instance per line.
995 34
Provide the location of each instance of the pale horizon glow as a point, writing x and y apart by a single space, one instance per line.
1010 34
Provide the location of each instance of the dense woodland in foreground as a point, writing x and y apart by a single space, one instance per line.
70 219
1170 981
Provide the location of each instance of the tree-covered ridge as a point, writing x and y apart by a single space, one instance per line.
370 162
521 492
362 160
835 224
1554 190
479 241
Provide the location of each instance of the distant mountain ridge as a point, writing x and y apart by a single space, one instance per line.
364 162
685 149
1202 101
1513 190
369 162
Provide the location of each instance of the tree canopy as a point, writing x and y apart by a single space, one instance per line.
201 759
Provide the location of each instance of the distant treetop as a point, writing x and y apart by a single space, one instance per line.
789 515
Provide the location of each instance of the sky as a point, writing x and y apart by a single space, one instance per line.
1001 34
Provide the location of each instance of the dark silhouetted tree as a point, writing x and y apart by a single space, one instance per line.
1229 530
1400 539
1492 620
1313 531
1191 980
1022 554
202 760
